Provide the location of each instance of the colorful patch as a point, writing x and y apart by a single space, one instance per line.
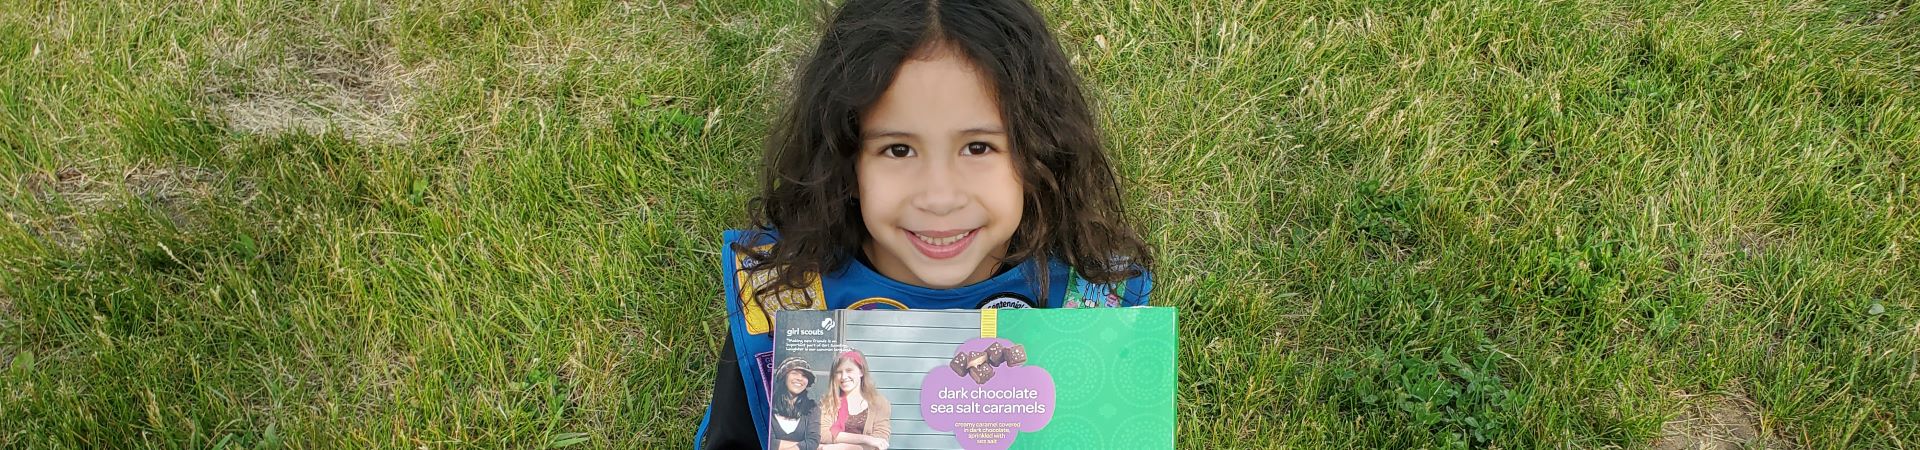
760 294
1005 300
765 362
877 303
1084 294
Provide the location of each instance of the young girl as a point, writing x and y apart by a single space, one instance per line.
854 415
796 418
937 154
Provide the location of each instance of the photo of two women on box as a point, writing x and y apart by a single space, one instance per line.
850 415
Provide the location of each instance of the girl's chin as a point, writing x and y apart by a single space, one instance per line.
945 277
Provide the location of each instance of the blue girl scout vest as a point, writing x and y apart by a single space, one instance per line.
751 300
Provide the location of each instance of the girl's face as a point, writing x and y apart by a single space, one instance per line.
849 376
796 383
938 191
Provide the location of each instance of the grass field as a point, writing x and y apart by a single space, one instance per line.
1387 223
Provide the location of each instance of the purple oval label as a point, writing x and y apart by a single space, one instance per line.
986 408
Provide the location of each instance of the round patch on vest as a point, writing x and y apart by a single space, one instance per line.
871 303
1005 300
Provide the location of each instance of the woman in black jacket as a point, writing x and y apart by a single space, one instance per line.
796 417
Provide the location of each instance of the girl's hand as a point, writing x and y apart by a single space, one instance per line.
860 442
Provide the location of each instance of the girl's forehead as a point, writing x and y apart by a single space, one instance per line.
940 95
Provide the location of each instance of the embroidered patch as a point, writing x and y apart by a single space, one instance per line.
1084 294
765 362
877 303
1005 300
760 294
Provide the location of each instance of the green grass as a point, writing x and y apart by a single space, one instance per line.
1499 223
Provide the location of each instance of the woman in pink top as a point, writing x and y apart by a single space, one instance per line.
853 416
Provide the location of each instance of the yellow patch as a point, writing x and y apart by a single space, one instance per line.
760 294
877 303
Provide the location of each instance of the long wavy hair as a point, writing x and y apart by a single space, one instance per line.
1073 208
831 402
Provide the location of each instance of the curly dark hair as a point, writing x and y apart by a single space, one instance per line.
1073 208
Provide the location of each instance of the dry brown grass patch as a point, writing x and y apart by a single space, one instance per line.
360 91
81 193
1715 422
175 191
72 194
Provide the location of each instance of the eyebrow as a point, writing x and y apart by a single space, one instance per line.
885 133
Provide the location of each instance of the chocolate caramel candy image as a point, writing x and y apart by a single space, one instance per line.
1014 356
959 363
982 373
996 354
975 359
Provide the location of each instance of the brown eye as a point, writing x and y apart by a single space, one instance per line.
897 151
976 149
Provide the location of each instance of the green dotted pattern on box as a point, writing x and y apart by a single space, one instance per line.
1113 375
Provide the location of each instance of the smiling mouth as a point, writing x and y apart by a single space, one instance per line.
942 244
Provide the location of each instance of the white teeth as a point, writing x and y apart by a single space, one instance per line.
941 242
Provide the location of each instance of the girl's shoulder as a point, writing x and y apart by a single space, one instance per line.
749 238
879 405
753 292
1079 292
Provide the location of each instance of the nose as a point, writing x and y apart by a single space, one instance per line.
942 188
